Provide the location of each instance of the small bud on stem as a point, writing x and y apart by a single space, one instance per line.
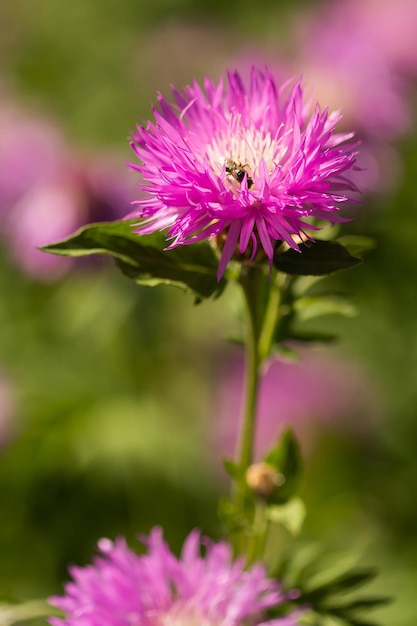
263 479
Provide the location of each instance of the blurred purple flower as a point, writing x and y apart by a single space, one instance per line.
389 27
47 191
156 589
318 389
351 71
7 409
247 163
358 55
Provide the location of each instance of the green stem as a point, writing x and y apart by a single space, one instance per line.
270 319
260 335
257 542
262 298
252 283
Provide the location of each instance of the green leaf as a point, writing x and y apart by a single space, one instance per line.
359 604
286 459
317 305
328 592
291 515
143 257
313 337
357 244
341 584
233 469
315 259
350 620
287 353
18 613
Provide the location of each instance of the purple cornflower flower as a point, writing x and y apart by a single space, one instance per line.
250 165
156 589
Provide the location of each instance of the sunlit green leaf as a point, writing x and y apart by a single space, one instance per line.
317 305
19 613
143 258
291 515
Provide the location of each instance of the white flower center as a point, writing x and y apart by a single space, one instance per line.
243 149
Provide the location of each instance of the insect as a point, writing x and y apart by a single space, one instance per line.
237 171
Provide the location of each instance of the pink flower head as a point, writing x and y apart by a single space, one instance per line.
156 589
250 163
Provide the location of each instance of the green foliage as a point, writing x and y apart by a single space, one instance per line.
233 469
328 594
302 301
286 459
318 258
291 515
26 612
267 502
144 258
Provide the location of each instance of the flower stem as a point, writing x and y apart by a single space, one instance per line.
262 298
270 318
257 541
252 282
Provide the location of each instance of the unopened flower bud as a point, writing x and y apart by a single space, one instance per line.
263 479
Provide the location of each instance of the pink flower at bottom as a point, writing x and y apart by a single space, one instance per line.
157 589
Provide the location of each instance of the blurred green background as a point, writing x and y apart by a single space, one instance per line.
108 390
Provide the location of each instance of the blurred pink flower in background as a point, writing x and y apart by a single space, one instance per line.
48 190
356 55
352 72
360 57
7 409
389 27
319 389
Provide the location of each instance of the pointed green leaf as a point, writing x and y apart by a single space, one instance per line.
341 584
18 613
317 305
315 259
286 458
286 352
233 469
359 604
313 337
143 258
